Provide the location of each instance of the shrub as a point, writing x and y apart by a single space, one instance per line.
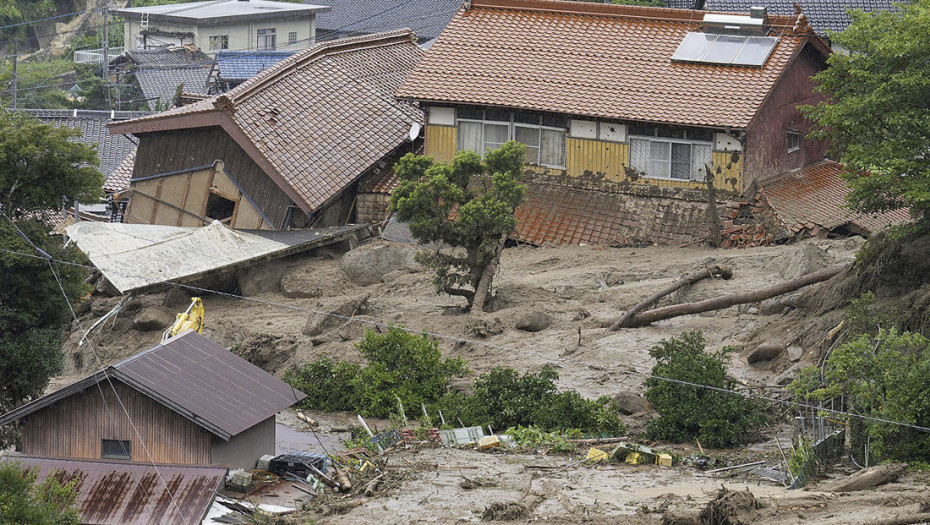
503 399
687 412
22 500
400 364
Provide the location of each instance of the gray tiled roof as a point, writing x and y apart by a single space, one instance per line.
163 56
111 149
161 84
427 18
683 4
824 15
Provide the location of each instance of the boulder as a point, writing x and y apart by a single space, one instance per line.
104 287
369 264
765 352
533 322
795 353
153 318
320 322
629 403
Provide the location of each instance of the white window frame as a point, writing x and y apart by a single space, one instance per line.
670 141
788 135
291 38
262 36
222 39
512 126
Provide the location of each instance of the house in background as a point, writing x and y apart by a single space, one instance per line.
426 18
621 109
242 25
232 68
286 149
188 401
825 16
112 150
158 73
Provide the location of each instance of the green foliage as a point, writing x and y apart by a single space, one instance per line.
876 119
467 204
400 364
686 412
533 436
503 399
803 463
22 500
883 375
39 166
17 11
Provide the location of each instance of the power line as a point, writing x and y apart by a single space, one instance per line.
39 20
48 258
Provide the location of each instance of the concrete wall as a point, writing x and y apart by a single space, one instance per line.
242 451
243 36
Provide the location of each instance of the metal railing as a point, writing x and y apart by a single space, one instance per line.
91 56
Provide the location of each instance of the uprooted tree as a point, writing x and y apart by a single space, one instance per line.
467 205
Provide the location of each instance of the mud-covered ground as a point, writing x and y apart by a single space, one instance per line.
279 322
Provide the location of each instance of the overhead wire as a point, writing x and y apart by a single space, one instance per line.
42 254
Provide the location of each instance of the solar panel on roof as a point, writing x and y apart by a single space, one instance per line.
730 50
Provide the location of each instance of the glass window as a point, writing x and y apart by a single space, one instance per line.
292 37
530 137
794 141
670 159
544 146
470 137
266 40
552 147
495 135
116 449
219 42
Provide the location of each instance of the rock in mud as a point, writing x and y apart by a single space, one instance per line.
153 318
484 326
320 322
765 352
104 287
629 403
369 264
533 322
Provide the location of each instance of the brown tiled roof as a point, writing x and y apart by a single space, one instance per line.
194 377
319 118
592 59
121 493
815 196
555 215
118 179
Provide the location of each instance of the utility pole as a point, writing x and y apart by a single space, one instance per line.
106 49
15 57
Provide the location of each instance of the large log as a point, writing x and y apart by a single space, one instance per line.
725 301
710 271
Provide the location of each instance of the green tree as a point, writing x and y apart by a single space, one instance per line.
38 167
875 117
22 500
467 204
687 412
17 11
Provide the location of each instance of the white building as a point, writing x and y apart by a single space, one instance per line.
241 25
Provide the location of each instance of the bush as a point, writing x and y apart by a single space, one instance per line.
400 364
503 399
686 412
45 503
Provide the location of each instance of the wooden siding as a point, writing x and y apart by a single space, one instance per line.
75 427
181 200
441 142
177 150
600 161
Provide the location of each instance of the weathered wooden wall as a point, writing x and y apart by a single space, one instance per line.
165 152
75 427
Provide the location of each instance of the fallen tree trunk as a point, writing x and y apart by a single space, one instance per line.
711 271
725 301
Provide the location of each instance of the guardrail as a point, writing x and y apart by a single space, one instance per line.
90 56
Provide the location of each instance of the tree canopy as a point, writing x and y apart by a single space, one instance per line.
469 204
22 500
876 116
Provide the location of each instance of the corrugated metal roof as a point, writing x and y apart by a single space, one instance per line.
120 493
133 256
196 378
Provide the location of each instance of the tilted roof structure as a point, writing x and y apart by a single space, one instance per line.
824 15
194 377
315 121
596 61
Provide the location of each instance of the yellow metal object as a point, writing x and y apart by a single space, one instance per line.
633 458
596 455
488 442
664 460
191 319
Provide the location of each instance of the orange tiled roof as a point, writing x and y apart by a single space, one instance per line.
320 117
815 196
596 60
